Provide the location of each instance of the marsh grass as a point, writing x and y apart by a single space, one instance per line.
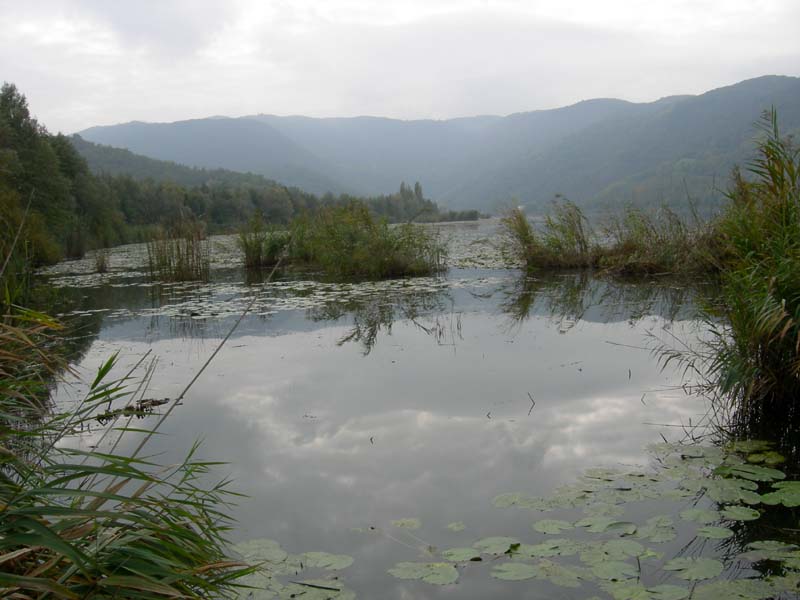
91 524
756 356
631 243
349 242
261 245
102 260
180 253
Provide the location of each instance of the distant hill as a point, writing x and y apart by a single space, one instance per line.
108 160
597 152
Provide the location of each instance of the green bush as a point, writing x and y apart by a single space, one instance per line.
261 246
348 241
755 361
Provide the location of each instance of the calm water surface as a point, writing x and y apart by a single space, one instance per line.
341 408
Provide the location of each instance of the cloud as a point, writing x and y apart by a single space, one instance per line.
91 62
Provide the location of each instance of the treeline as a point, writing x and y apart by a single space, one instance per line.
64 207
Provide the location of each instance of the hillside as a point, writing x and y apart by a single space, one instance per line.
597 152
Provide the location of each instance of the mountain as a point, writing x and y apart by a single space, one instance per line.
598 152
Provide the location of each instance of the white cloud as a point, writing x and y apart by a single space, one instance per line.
91 62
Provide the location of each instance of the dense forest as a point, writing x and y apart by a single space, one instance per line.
67 207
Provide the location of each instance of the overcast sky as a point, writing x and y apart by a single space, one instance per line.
93 62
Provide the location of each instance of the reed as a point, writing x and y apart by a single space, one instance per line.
102 260
261 246
180 253
349 242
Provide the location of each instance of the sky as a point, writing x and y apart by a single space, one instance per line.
96 62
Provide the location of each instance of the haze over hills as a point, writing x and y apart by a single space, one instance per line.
597 152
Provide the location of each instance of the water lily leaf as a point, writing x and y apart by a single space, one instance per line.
740 513
732 491
700 515
694 569
612 550
560 575
601 524
559 547
521 500
657 529
323 560
456 526
767 458
787 493
514 571
751 472
260 550
714 533
737 589
604 509
614 570
602 474
552 526
627 590
434 573
317 589
407 523
495 545
769 550
749 446
461 554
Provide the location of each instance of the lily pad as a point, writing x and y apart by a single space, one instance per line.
714 533
552 526
514 571
627 590
694 569
260 550
751 472
602 524
614 570
787 493
740 513
732 491
434 573
700 515
407 523
461 554
737 589
548 548
767 458
456 526
657 529
560 575
495 545
316 589
323 560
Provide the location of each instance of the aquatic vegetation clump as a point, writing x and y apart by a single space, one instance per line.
179 253
754 364
348 241
631 243
660 242
261 246
564 241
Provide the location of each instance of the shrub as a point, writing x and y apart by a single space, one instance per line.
348 241
180 253
260 245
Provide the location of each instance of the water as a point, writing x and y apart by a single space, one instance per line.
340 408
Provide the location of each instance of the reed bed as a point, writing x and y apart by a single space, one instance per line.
349 242
180 253
261 246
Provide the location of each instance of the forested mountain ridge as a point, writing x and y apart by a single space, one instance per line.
597 152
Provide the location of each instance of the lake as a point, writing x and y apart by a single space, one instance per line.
379 420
